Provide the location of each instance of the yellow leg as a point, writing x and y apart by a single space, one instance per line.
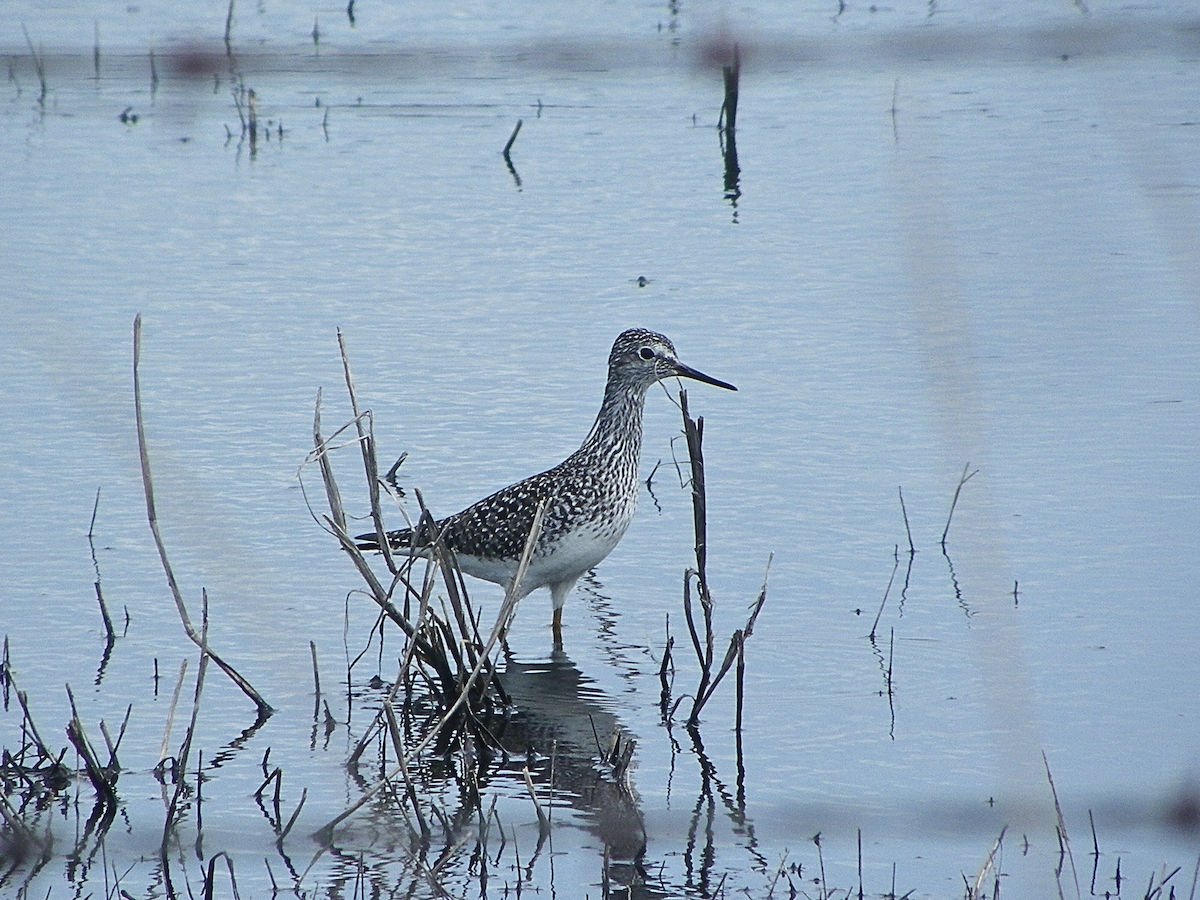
556 626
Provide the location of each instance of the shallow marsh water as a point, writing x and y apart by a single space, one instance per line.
975 253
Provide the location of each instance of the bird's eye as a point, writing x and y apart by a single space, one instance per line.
646 353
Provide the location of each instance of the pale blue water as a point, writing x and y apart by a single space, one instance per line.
1004 273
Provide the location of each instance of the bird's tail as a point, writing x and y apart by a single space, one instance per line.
402 539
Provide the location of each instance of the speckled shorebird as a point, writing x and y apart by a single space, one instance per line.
590 496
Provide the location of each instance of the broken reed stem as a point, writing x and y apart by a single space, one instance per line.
292 821
312 647
543 822
109 742
1061 824
821 863
667 666
953 503
512 138
103 778
986 868
694 432
108 625
409 790
186 747
212 871
39 65
228 29
366 437
264 709
162 753
23 699
731 75
903 511
886 591
860 878
735 652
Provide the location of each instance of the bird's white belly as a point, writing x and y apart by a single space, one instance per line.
566 557
574 553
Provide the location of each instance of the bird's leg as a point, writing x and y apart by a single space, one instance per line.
556 627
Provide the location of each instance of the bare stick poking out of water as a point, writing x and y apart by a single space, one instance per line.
264 708
109 631
512 138
512 170
953 503
228 29
904 512
693 429
39 65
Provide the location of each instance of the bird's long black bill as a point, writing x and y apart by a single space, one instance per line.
689 372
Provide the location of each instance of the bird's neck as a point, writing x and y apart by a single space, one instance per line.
618 427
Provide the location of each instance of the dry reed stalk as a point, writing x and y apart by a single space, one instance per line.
109 631
409 790
264 709
292 821
543 821
162 753
366 437
953 503
975 891
1060 824
904 512
39 65
103 778
211 878
512 138
445 649
28 724
887 590
228 29
512 170
694 432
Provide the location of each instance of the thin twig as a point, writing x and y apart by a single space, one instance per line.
1061 823
39 65
543 822
953 503
264 709
886 591
911 549
512 138
162 753
975 892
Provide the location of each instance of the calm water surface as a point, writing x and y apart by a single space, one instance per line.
982 257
